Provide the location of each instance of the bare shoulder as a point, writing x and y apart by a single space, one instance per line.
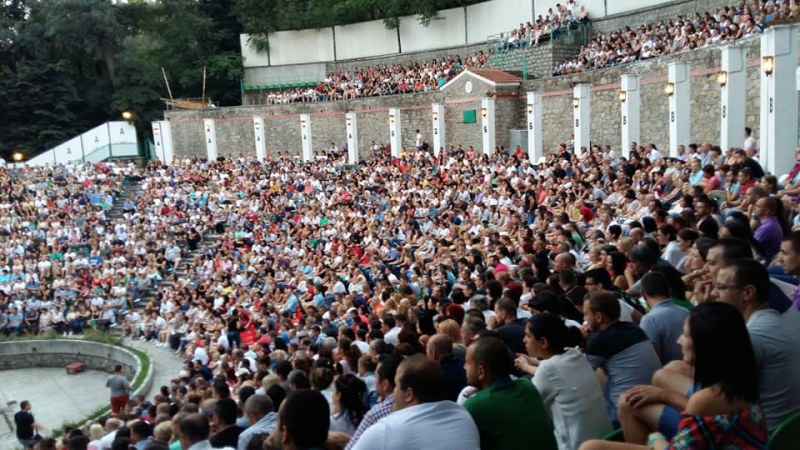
710 402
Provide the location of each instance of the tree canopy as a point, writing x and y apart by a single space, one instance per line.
69 65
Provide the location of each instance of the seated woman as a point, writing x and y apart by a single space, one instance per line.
569 388
723 409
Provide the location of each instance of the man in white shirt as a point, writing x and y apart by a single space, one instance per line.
421 419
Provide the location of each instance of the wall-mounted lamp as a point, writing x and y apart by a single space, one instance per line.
435 116
768 64
669 88
18 156
208 129
303 123
530 108
722 78
349 121
484 112
576 102
127 115
391 118
623 96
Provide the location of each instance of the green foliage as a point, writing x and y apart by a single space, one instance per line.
69 65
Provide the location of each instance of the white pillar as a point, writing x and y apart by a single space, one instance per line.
534 114
778 131
305 137
258 130
437 119
158 141
582 113
630 99
487 125
166 140
352 137
211 139
732 79
680 109
395 138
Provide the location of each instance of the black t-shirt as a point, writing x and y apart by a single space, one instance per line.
228 437
24 422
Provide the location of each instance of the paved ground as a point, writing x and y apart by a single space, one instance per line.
165 365
57 397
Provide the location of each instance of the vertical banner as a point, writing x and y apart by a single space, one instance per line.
258 131
630 99
582 113
351 125
487 126
211 139
395 139
534 115
305 137
437 127
158 142
679 90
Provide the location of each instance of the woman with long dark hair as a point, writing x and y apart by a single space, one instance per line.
724 411
570 390
348 404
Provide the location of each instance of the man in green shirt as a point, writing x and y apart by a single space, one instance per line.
509 413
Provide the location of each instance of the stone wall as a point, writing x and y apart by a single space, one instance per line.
60 352
605 109
235 135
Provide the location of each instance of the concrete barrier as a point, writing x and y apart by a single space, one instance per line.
60 352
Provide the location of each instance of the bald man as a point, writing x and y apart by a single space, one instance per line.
440 349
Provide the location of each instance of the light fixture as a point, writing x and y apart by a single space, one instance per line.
484 112
391 118
18 156
302 123
768 64
127 115
208 129
349 121
669 88
623 96
435 116
722 78
576 102
530 108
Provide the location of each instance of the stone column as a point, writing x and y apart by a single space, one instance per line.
158 142
534 111
305 137
679 88
166 140
352 137
582 113
395 137
778 131
630 101
487 125
732 79
211 139
258 131
437 119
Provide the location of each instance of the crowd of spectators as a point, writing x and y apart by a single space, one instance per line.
682 34
380 81
456 301
544 27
